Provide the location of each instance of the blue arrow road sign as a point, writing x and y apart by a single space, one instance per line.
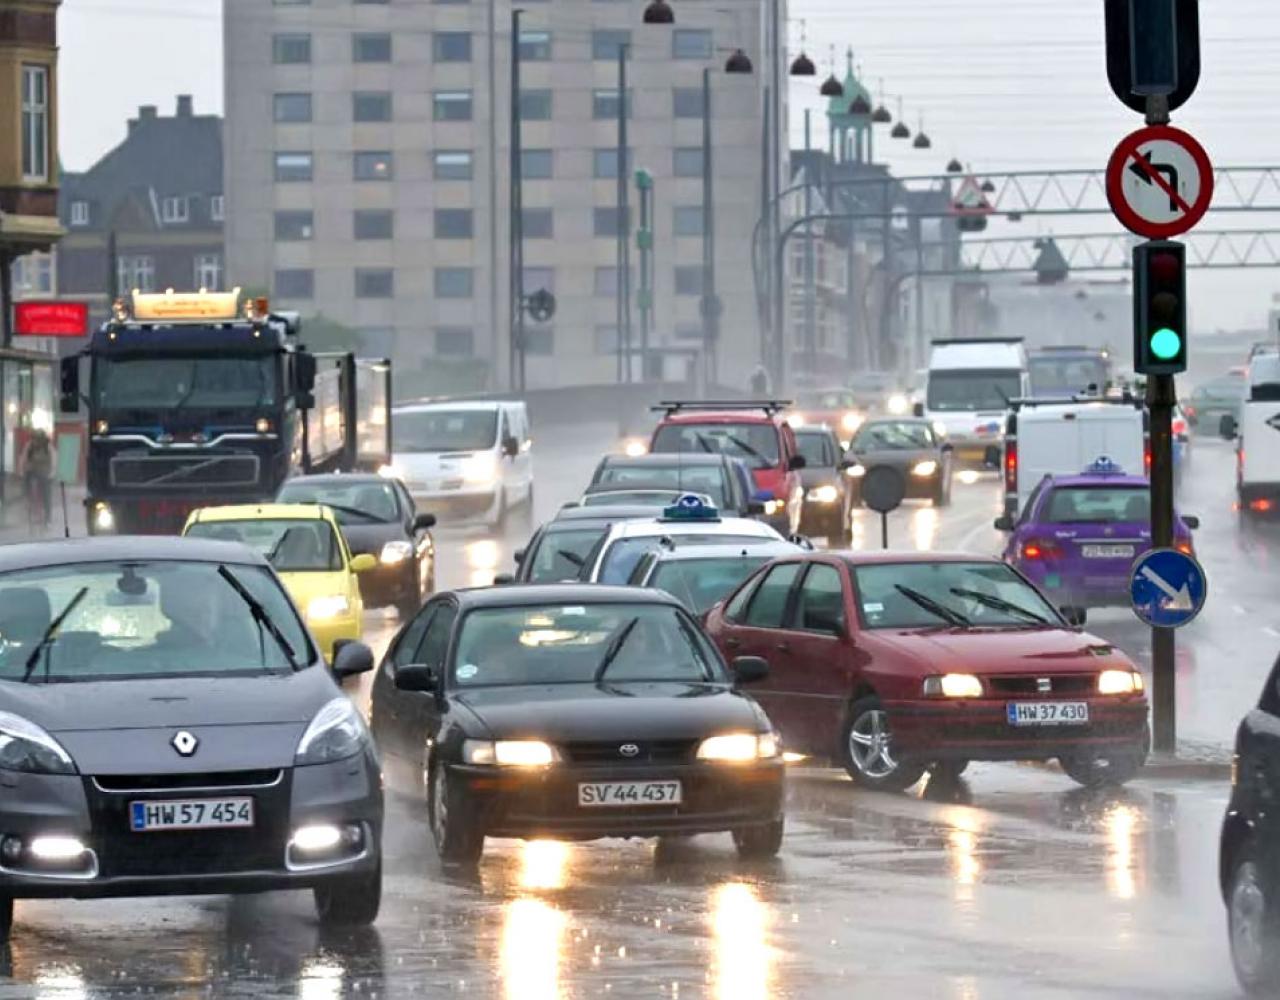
1167 588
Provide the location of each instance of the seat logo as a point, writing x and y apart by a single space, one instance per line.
629 750
185 743
1044 685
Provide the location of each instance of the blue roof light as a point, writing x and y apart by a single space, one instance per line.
1103 466
690 507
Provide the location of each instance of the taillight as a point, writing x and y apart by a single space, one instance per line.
1146 456
1262 505
1179 426
1040 548
1185 548
1011 465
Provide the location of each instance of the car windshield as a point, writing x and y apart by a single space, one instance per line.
827 399
562 554
708 480
754 443
817 449
572 643
621 557
142 619
943 594
973 390
443 430
220 382
1051 375
352 503
700 583
892 435
302 545
1097 504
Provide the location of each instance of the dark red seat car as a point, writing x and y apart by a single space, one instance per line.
898 663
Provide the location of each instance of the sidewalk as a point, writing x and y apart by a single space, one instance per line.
13 517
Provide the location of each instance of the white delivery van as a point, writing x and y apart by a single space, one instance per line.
469 461
970 387
1257 435
1063 437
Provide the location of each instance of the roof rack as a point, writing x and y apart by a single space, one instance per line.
673 406
1127 398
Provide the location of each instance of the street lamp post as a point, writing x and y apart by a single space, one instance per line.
644 242
516 359
623 299
710 301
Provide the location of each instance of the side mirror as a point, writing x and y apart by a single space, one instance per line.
918 410
518 555
1228 428
1075 615
351 658
363 563
306 401
503 579
1004 523
846 464
749 669
417 677
947 448
510 447
797 462
1191 521
755 508
305 368
69 385
424 521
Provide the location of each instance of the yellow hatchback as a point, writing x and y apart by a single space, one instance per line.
304 545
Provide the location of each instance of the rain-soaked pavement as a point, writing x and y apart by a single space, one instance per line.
1011 883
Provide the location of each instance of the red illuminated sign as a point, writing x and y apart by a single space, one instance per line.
50 319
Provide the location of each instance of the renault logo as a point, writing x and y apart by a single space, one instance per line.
184 743
629 750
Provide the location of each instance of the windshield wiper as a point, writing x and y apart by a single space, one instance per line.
1000 604
706 444
614 648
261 616
343 509
949 615
50 634
739 443
571 557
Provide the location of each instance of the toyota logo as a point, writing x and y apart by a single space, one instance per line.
185 743
629 750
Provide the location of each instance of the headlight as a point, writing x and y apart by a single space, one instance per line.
772 507
337 732
396 552
897 404
103 519
331 606
509 753
480 469
263 426
924 469
953 686
1119 682
856 471
635 447
24 746
851 421
739 747
823 494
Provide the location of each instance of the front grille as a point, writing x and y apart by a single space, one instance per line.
181 782
1059 684
180 472
647 752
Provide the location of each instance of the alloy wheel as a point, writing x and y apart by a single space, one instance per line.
870 744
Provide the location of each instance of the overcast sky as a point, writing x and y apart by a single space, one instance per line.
1002 84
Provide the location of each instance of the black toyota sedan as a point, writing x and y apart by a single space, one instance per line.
167 726
377 517
576 712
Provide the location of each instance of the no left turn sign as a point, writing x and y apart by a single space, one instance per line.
1159 182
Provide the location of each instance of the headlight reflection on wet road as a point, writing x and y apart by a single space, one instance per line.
320 979
543 864
1120 823
739 921
482 561
924 528
532 936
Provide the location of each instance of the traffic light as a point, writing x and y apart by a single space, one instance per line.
1160 308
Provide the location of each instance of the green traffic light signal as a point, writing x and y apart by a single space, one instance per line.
1165 344
1159 308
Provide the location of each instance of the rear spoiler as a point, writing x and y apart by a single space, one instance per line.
674 406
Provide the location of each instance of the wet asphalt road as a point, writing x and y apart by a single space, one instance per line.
1011 883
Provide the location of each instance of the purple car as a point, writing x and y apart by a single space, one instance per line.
1078 536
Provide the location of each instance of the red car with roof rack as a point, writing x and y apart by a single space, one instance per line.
754 431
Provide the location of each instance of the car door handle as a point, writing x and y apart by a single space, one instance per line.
733 643
783 647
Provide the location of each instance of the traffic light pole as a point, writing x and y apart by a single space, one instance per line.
1161 397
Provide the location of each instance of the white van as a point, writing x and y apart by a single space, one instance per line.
1062 437
1257 435
970 387
467 461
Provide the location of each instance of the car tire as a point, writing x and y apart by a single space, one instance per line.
454 824
1094 770
759 843
1253 927
6 918
871 765
351 900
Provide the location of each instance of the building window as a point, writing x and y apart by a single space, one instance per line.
136 272
289 50
690 331
455 341
451 46
604 103
292 109
372 166
539 278
454 282
175 210
217 207
605 162
605 42
35 123
687 162
295 283
535 46
686 102
688 220
452 165
606 284
375 283
606 339
32 274
535 105
535 164
293 167
371 47
538 223
294 225
373 224
540 340
371 106
453 223
79 213
689 279
691 43
208 271
606 221
452 105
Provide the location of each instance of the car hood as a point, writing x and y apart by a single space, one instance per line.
895 457
624 711
810 478
305 587
1003 651
369 538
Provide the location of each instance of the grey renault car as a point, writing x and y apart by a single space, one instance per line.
167 726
